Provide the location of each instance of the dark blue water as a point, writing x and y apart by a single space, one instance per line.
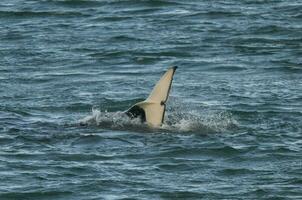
233 126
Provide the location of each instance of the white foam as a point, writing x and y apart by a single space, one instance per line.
181 122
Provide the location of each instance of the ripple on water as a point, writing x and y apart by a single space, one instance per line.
233 120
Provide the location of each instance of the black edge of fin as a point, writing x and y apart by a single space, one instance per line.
164 103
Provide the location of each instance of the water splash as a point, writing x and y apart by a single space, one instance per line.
209 122
105 118
175 121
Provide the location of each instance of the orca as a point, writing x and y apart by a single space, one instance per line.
152 110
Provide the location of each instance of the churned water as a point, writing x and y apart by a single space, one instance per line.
233 126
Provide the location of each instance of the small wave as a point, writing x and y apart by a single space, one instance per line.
214 14
31 14
228 68
269 29
78 3
223 13
290 68
39 194
235 172
154 3
297 16
123 38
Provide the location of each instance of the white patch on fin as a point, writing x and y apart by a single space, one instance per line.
152 110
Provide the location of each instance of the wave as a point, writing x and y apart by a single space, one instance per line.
30 14
79 3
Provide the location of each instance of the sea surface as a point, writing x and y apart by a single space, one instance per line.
233 126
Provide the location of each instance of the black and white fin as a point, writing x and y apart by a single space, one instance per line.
152 110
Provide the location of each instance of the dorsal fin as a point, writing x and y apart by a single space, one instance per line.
152 110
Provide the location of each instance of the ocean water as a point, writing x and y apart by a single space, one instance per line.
233 126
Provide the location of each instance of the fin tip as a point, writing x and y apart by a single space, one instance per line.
174 67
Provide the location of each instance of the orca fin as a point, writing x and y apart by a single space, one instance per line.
160 92
152 110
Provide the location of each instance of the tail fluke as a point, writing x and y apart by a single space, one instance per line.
152 110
